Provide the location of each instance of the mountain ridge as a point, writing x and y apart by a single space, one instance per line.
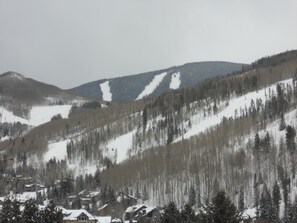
129 87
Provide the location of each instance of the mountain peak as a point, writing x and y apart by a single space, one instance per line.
12 74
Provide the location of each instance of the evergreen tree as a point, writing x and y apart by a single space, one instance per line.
192 196
30 212
171 214
290 141
241 200
188 214
276 197
282 125
220 210
257 143
17 215
6 213
51 213
266 210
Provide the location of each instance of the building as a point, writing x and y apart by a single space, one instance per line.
142 214
78 216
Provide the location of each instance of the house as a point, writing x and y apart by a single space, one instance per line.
78 216
33 187
141 214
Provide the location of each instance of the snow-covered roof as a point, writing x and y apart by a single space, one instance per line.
103 219
148 210
135 208
74 214
104 206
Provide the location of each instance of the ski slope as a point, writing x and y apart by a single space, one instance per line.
56 150
120 146
200 123
9 117
42 114
105 89
175 81
38 114
151 86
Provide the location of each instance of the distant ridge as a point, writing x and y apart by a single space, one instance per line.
128 88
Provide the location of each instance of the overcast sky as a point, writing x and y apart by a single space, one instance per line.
71 42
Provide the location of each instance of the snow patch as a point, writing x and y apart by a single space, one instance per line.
151 86
120 147
106 94
42 114
8 116
175 81
56 150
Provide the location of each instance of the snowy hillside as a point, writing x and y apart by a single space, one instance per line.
38 114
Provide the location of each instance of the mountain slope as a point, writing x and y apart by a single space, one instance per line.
202 137
130 88
18 93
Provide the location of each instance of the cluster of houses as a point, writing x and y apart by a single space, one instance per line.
133 214
124 209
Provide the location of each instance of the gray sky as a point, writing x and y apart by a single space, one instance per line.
71 42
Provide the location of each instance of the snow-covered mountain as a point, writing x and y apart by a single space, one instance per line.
19 94
136 87
234 133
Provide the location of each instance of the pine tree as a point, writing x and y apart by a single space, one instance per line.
17 215
257 143
276 197
192 196
241 200
220 210
290 141
6 213
30 213
171 214
266 210
188 214
51 213
282 125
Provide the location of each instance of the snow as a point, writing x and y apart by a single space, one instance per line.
8 116
2 139
104 219
106 94
73 214
151 86
175 81
199 125
42 114
38 114
121 145
251 212
56 150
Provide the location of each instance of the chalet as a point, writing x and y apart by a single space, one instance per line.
33 187
85 201
78 216
141 213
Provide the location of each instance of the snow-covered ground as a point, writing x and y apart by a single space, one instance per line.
106 94
175 81
56 150
8 116
38 114
151 86
120 147
42 114
200 123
